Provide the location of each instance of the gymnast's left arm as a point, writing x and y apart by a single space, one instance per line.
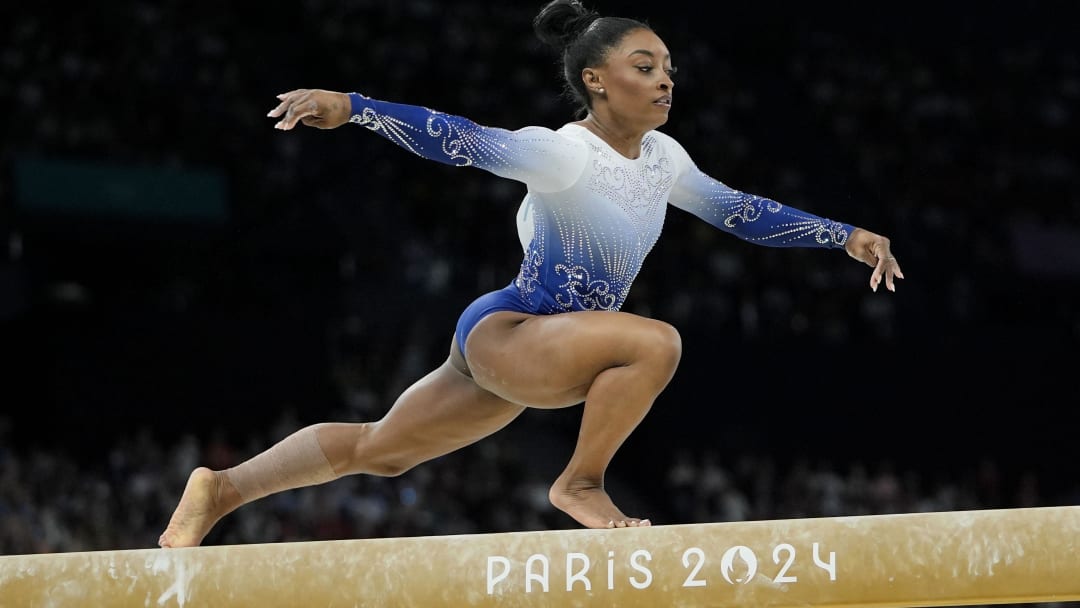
766 222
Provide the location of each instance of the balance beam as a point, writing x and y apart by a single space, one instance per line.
958 558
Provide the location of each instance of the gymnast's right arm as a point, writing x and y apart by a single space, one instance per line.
539 157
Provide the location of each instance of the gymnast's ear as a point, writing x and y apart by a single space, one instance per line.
591 79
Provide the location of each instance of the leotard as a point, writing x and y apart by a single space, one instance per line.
590 215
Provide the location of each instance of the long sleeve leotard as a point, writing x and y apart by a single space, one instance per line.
590 215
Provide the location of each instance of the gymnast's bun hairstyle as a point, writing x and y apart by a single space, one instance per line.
583 39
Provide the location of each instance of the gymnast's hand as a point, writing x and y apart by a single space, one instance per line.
312 107
873 250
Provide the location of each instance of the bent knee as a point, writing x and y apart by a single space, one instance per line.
665 344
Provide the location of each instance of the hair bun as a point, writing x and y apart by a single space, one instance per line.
560 22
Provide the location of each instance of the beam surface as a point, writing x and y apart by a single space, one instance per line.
960 558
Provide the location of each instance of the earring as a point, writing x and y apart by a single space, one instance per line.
600 90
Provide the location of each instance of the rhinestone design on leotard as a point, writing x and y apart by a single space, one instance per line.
591 215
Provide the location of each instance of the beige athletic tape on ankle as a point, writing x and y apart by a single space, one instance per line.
294 462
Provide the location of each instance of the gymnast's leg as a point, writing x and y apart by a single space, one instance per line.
617 363
442 412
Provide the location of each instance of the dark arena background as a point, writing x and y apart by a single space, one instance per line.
181 284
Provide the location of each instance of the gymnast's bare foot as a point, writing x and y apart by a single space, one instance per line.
204 502
590 505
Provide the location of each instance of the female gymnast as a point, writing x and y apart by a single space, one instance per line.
597 193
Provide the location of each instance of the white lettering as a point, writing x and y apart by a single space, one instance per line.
781 576
727 563
492 578
738 565
634 563
610 569
572 576
829 567
531 576
690 580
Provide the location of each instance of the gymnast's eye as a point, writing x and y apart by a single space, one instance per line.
672 71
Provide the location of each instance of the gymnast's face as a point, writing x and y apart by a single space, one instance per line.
636 79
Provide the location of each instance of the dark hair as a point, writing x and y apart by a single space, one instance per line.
584 38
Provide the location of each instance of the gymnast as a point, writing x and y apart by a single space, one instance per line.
553 337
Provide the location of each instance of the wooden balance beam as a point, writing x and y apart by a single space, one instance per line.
956 558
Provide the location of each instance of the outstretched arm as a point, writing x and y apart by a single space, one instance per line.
766 222
541 158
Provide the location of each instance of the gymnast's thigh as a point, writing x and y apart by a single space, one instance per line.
550 361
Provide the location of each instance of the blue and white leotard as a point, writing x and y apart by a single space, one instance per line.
590 215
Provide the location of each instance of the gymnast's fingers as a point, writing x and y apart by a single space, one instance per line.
283 103
299 106
887 269
892 272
